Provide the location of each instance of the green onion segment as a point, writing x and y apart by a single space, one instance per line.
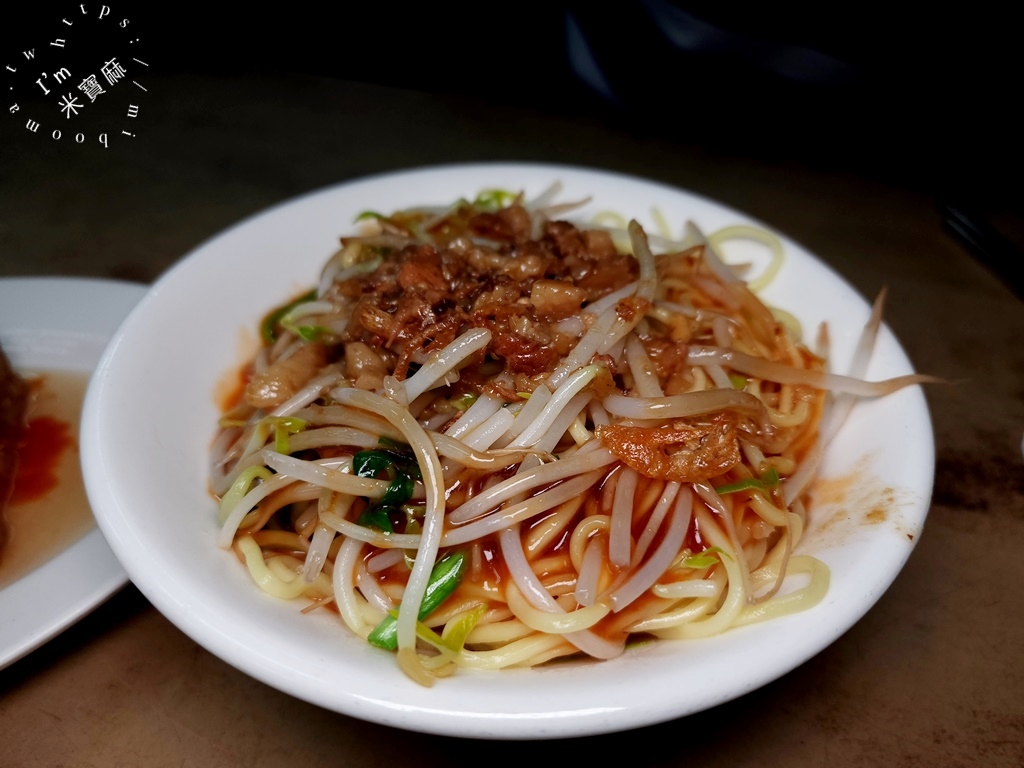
444 578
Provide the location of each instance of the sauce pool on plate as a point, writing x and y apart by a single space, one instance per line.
47 510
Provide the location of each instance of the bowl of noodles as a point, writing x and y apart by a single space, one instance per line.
502 451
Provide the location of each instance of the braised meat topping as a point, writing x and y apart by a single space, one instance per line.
518 287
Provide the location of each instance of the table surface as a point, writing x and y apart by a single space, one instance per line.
932 675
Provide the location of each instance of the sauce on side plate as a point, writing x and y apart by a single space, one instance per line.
48 509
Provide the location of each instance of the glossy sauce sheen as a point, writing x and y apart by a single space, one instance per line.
48 509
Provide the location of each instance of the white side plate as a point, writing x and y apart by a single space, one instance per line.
59 324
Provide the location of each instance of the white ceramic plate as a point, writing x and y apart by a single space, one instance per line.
59 324
150 416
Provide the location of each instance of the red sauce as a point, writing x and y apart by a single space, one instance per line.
48 510
230 389
44 442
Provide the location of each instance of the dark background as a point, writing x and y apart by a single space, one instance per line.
921 100
925 99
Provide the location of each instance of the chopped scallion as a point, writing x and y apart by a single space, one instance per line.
378 517
444 578
271 323
457 629
240 487
398 467
767 480
283 427
462 402
704 559
493 199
